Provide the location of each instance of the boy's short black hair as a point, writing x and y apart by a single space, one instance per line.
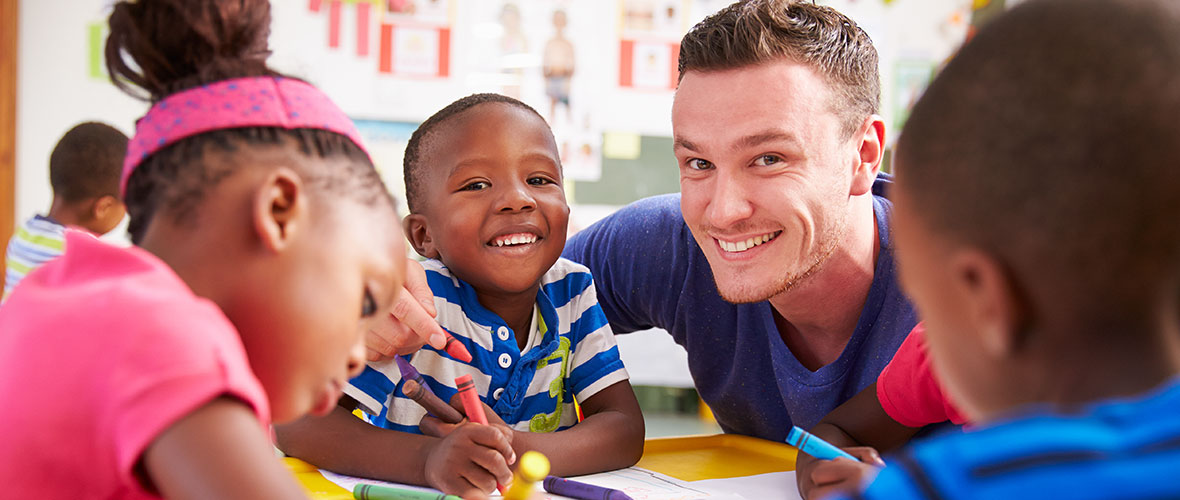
419 140
1050 141
87 162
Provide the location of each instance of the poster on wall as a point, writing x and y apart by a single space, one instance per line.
415 38
649 42
545 53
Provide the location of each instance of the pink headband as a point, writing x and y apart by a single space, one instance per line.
244 102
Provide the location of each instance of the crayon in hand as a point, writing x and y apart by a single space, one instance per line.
376 492
474 408
471 403
533 467
456 349
581 491
816 447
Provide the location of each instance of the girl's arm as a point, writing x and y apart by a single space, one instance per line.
217 451
610 437
860 426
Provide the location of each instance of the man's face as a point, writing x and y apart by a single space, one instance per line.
765 174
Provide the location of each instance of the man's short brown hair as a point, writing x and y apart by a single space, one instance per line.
751 32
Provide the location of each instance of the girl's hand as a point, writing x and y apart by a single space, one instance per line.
819 479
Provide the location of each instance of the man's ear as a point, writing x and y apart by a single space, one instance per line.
418 232
871 150
994 301
280 209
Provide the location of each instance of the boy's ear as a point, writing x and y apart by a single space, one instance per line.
418 232
102 206
870 138
279 209
994 303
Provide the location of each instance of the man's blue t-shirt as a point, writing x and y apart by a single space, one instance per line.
1116 449
650 272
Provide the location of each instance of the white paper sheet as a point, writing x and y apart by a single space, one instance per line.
640 484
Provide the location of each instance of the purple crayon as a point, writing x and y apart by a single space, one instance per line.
409 372
581 491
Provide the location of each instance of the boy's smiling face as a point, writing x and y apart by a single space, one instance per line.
493 207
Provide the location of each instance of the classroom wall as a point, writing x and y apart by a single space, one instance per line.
615 127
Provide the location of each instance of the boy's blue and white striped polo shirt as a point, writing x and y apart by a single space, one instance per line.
38 241
571 356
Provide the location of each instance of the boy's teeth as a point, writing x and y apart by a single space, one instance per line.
514 239
742 246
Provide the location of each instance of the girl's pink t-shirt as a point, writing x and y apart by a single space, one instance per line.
100 352
908 389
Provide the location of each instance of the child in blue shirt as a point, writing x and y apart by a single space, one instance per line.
487 207
1035 220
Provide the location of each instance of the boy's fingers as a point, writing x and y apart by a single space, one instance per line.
418 287
468 490
498 438
492 461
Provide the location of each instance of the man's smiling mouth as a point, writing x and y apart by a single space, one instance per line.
748 243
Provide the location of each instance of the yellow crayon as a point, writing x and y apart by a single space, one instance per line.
533 467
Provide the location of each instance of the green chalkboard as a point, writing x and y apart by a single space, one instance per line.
624 181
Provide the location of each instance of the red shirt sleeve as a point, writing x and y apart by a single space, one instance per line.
909 390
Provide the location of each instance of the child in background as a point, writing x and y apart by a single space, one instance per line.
265 250
1035 212
484 187
84 173
906 397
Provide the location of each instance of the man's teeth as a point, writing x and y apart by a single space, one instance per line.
514 239
742 246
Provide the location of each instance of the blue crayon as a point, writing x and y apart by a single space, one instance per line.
816 447
581 491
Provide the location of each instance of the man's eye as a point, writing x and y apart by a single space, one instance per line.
765 160
369 307
699 164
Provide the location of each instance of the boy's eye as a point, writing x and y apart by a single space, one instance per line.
369 307
765 160
474 186
539 181
698 164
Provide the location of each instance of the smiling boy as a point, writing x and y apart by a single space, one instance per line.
484 187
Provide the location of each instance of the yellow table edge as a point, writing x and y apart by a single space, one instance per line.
688 458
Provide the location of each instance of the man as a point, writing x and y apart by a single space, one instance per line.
773 267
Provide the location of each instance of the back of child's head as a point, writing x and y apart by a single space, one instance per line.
419 147
179 45
87 161
1049 142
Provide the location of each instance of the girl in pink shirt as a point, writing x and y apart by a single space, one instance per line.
267 246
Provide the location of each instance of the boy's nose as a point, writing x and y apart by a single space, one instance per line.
517 198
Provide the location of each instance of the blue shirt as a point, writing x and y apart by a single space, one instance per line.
571 354
651 273
1116 449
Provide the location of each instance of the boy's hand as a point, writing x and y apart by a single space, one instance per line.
411 322
432 426
471 460
819 479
